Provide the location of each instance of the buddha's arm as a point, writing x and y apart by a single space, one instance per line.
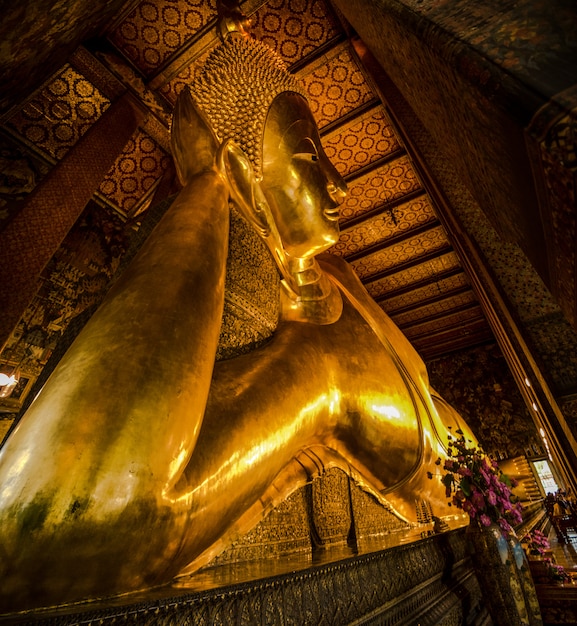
114 425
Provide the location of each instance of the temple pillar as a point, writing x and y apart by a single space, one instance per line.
34 234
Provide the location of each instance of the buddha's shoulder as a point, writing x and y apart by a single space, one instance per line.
341 271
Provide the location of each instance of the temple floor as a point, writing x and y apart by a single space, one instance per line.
558 602
565 553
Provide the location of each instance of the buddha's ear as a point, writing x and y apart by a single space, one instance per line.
194 144
244 188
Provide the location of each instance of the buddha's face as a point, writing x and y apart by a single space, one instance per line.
301 185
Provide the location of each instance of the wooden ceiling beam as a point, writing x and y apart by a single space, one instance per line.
453 345
382 208
351 117
392 241
419 284
425 302
375 165
402 267
462 329
437 317
299 67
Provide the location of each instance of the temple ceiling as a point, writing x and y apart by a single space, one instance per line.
390 230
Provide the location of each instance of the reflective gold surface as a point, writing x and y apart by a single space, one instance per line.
141 459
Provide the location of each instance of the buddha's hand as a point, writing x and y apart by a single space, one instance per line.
194 144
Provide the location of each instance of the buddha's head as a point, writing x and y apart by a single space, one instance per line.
249 101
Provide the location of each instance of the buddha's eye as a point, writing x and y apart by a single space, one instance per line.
306 150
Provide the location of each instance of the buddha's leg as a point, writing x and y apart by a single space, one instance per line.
83 478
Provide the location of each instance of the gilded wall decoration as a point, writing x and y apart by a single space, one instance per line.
425 274
478 383
141 164
362 142
394 222
332 516
155 31
335 85
55 118
294 29
411 248
285 531
87 260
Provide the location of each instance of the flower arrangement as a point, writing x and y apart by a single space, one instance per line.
477 485
537 543
557 572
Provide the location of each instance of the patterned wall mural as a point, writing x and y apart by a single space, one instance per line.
479 384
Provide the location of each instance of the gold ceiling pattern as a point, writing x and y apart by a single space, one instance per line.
136 171
384 227
390 232
362 143
57 116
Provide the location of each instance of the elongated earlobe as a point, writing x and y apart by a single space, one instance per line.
247 194
244 189
194 144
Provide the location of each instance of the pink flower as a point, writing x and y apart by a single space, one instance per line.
469 509
464 471
491 497
485 476
504 524
478 500
507 506
485 519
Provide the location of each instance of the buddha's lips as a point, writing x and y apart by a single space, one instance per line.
332 214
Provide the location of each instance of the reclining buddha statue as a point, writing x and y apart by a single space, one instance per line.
230 354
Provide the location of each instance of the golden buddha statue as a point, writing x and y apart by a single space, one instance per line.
192 404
